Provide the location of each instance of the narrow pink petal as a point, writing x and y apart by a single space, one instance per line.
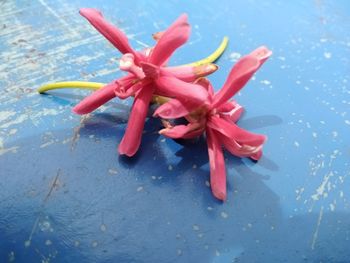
110 32
262 53
124 84
146 52
204 82
185 73
241 73
150 70
194 133
234 115
186 92
257 156
179 131
191 73
238 150
123 93
127 80
132 137
174 37
217 166
230 111
156 36
232 131
174 109
227 106
96 99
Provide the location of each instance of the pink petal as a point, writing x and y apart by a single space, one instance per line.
239 150
217 166
207 85
132 137
125 83
127 63
230 111
156 36
123 93
185 73
232 131
174 37
174 109
180 131
183 91
193 134
227 106
257 156
96 99
240 74
146 52
150 70
112 33
262 53
190 73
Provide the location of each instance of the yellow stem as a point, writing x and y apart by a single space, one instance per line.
72 85
213 56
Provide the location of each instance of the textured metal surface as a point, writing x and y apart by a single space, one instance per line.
66 196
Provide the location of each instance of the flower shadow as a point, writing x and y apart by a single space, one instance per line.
146 212
260 122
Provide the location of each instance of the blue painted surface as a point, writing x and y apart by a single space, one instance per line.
65 194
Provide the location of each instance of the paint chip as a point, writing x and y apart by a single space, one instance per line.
112 171
265 82
195 227
234 56
11 256
327 55
103 228
94 244
224 215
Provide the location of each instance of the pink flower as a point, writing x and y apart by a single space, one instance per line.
147 75
216 117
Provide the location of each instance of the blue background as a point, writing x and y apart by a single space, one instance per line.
66 195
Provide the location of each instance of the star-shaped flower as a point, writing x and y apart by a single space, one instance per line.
147 75
216 117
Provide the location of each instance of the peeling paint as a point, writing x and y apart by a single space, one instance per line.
315 235
322 190
4 115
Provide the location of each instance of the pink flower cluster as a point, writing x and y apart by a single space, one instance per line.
191 96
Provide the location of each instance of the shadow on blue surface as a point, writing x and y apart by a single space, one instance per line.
137 210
